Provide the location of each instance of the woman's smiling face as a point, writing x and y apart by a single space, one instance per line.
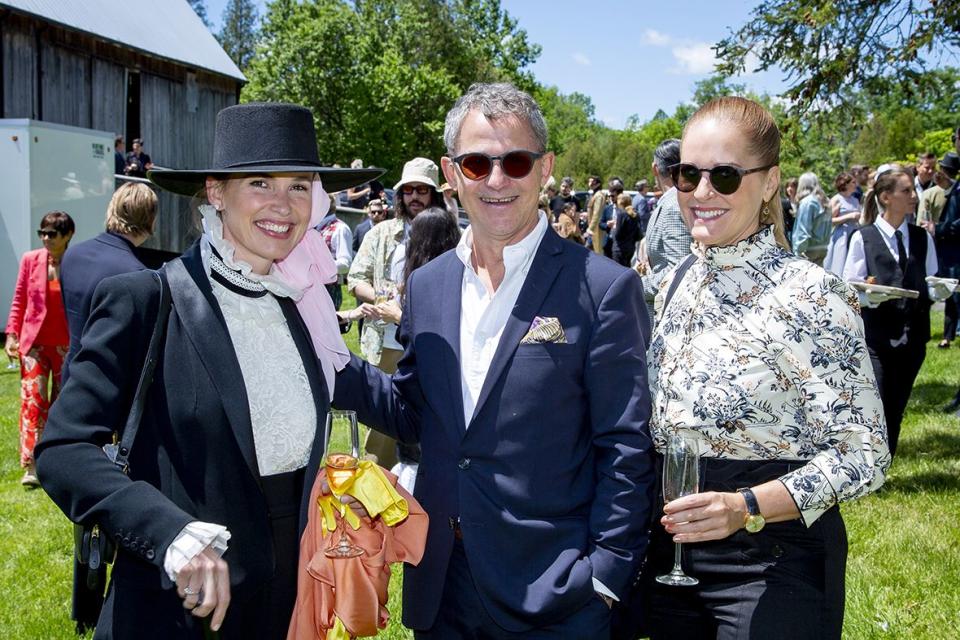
715 219
264 216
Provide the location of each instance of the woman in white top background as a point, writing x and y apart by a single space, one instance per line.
887 250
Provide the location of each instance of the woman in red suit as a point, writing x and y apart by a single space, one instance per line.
37 333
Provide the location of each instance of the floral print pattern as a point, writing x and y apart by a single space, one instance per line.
761 356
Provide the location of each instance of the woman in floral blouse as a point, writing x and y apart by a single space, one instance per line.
760 356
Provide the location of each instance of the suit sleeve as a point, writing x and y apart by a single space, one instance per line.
93 405
616 380
18 305
390 404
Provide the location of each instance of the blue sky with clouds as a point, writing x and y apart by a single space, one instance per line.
629 56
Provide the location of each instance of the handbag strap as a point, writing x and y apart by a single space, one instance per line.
677 277
122 452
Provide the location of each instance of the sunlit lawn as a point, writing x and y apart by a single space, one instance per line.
903 577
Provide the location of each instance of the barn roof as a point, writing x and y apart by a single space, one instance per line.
164 28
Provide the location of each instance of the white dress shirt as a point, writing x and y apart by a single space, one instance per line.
855 268
484 316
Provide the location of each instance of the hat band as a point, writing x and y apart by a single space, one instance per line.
272 163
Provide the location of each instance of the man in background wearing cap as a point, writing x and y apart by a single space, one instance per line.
947 235
138 162
373 271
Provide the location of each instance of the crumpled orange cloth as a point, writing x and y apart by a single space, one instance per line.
340 598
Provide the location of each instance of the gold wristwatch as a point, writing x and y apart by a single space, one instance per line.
754 520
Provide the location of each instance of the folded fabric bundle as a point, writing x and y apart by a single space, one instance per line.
340 598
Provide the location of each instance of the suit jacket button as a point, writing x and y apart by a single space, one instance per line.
149 554
464 463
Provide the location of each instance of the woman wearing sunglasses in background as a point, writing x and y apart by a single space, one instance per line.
760 357
37 333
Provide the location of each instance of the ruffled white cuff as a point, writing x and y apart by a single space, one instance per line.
194 538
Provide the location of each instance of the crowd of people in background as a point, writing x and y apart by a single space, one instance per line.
721 236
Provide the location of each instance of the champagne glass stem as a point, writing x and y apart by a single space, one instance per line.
677 567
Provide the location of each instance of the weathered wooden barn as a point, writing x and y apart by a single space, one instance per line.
145 69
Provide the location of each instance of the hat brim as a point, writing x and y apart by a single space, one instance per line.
189 183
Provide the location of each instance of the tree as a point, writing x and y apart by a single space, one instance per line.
238 35
828 47
200 8
380 75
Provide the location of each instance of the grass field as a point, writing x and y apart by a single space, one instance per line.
903 574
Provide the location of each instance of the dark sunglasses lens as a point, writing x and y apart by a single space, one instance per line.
686 177
475 166
725 179
47 234
517 164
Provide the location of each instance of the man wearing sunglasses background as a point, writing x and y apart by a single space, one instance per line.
373 272
524 381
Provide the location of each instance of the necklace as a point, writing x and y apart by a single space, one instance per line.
234 280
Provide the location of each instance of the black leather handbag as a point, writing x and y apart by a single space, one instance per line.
94 548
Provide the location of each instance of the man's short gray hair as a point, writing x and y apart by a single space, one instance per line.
666 155
495 101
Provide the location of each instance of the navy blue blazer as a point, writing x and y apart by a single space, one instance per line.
553 479
83 266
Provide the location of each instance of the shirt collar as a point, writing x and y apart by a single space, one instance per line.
887 229
514 255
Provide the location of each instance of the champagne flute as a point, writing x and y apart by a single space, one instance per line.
341 461
681 477
386 292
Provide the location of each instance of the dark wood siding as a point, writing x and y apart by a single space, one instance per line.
57 75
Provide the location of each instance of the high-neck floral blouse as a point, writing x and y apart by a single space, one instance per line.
760 355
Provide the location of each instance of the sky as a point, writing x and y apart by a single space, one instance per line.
629 56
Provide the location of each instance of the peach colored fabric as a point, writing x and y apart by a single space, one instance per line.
352 589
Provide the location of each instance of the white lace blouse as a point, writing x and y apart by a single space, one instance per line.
761 356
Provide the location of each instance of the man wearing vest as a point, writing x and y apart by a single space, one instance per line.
893 252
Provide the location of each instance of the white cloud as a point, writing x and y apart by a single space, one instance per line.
655 38
694 59
581 59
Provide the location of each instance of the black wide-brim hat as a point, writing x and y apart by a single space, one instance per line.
263 137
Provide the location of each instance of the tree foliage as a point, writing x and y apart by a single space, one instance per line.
238 35
380 75
828 47
200 8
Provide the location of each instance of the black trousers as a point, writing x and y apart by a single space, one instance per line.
896 369
785 582
462 615
951 313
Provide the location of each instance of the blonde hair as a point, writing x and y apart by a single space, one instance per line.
886 182
763 140
625 202
132 210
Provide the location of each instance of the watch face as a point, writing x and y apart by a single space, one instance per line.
754 523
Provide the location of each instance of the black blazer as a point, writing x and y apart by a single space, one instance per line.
194 458
83 266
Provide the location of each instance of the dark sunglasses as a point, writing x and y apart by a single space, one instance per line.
44 233
724 178
516 164
422 189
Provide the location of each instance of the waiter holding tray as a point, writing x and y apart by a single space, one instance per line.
898 256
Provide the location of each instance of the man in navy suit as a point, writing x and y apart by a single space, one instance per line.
524 379
130 217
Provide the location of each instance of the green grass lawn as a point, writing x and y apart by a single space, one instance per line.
903 573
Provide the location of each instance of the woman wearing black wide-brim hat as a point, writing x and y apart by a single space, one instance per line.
208 516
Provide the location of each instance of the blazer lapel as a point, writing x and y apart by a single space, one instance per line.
203 322
450 328
543 272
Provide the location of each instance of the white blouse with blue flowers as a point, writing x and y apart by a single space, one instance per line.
760 355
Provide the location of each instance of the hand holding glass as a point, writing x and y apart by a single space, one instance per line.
681 477
386 292
342 459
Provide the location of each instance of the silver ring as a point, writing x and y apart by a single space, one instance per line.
187 591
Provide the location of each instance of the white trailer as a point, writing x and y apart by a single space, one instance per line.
48 167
